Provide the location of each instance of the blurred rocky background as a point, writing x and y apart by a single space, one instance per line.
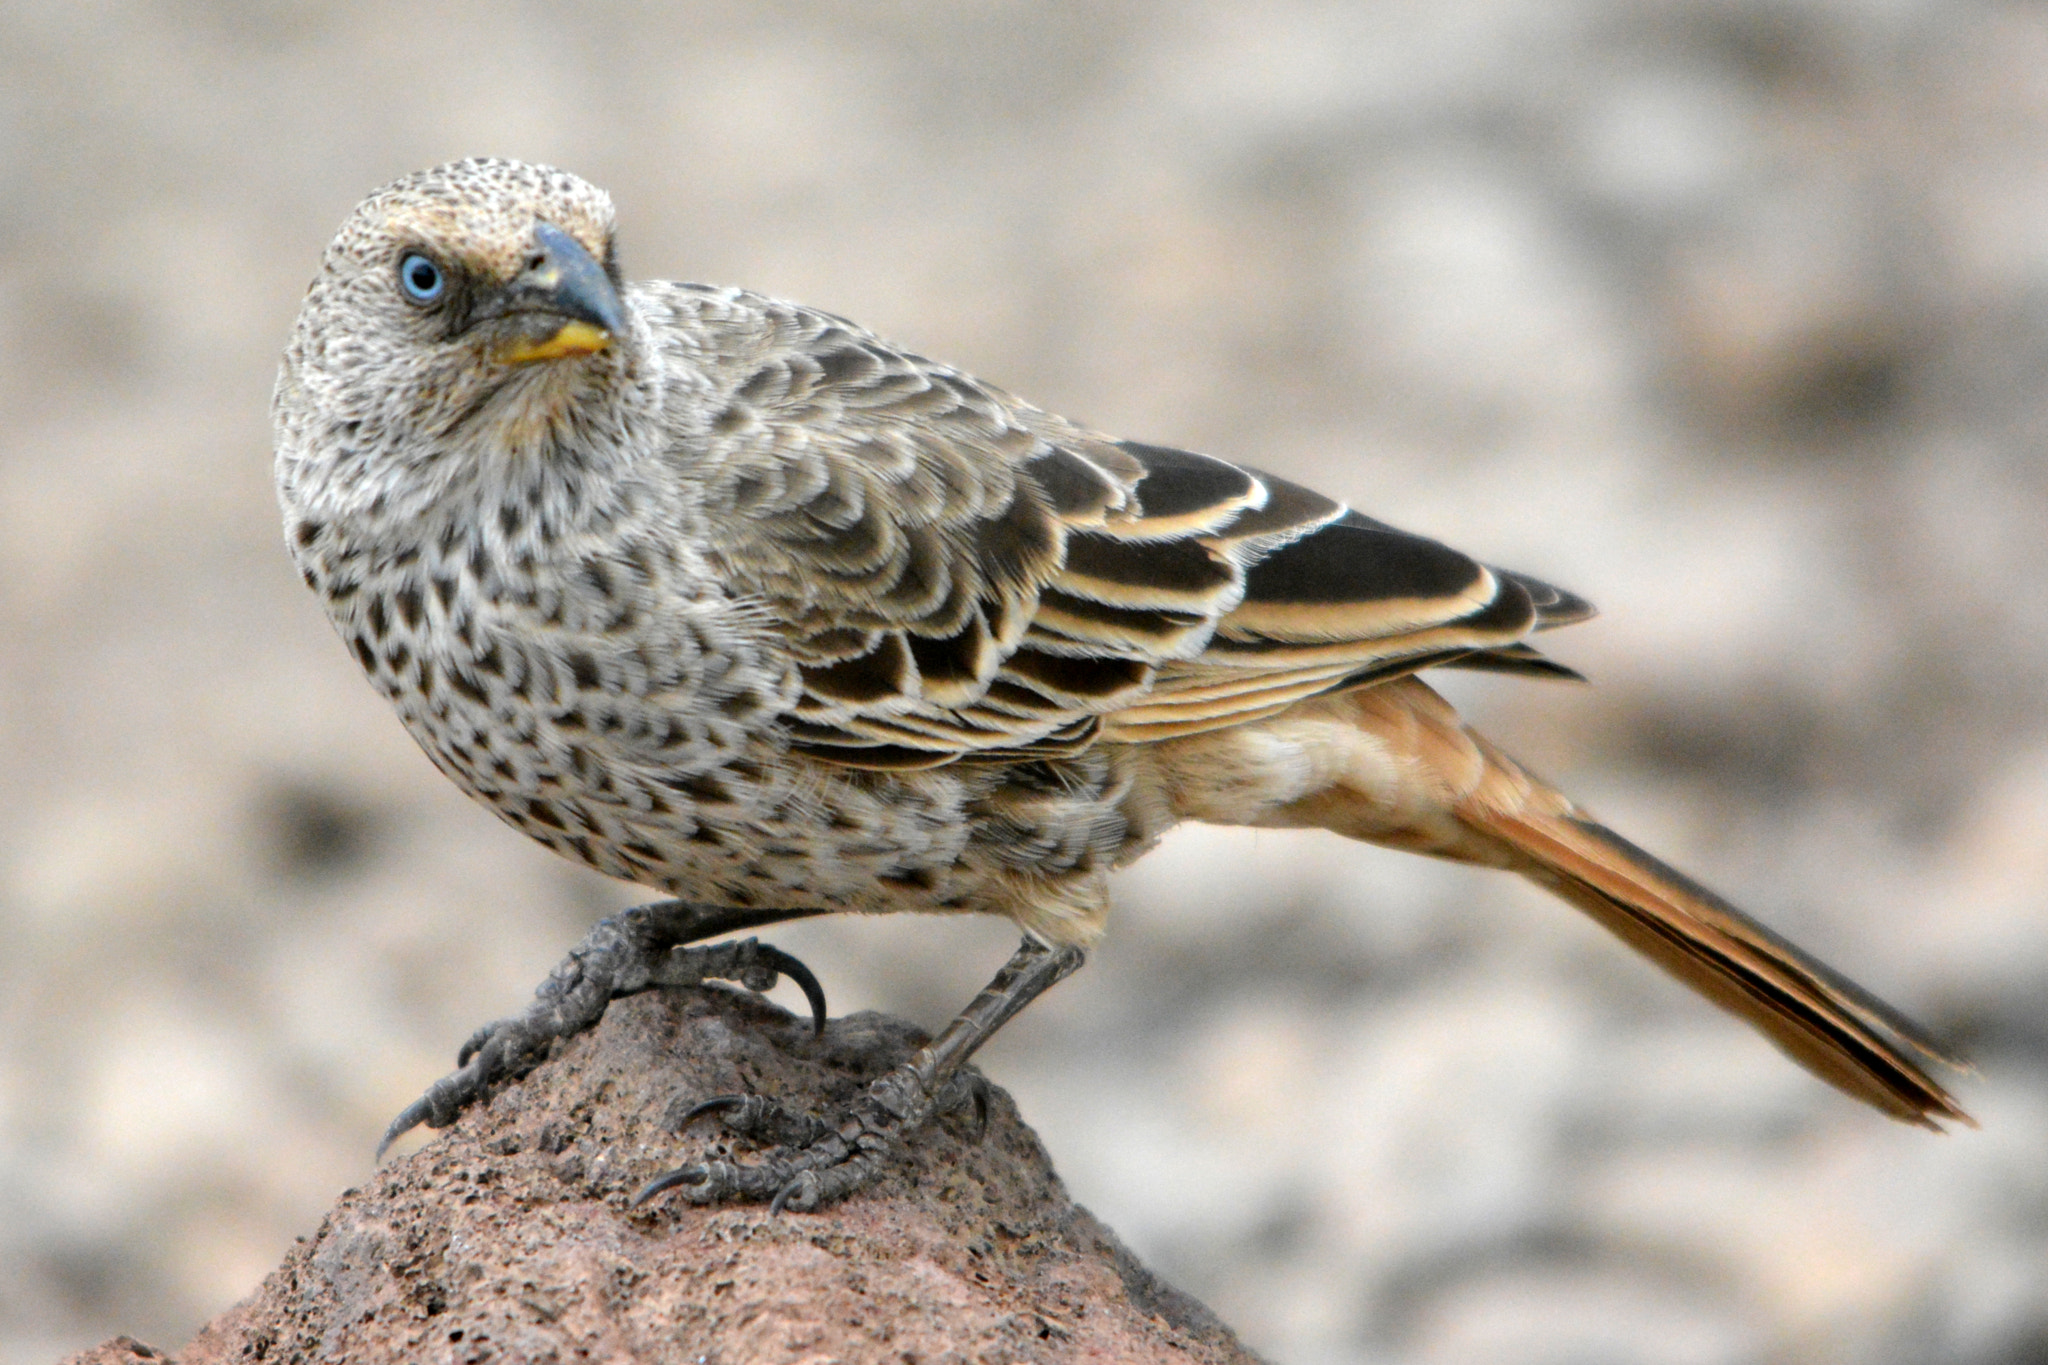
1732 316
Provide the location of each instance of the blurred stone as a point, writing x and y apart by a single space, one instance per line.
119 1351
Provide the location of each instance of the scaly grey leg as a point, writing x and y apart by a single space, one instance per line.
822 1160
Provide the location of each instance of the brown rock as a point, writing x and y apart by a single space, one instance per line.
510 1236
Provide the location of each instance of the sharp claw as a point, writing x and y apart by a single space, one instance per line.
409 1118
813 992
668 1180
710 1106
978 1090
783 1196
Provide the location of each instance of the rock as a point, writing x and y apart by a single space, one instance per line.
510 1237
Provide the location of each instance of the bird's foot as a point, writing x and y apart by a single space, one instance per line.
815 1161
630 952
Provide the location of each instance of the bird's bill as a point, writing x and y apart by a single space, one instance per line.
564 301
571 338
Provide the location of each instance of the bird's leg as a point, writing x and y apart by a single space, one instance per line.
820 1160
634 950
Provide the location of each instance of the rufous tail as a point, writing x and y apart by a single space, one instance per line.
1824 1021
1482 806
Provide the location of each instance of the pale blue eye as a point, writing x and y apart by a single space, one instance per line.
422 279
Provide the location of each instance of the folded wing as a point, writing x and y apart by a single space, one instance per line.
969 577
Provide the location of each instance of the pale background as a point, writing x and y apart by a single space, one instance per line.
1733 317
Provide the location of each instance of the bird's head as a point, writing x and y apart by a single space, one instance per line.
465 315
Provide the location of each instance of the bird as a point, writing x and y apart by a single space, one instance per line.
732 599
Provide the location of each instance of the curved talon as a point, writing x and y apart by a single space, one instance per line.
805 1186
976 1087
711 1106
440 1106
796 971
409 1118
668 1180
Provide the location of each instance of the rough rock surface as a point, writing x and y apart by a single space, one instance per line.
510 1237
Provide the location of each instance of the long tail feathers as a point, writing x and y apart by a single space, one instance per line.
1406 772
1827 1023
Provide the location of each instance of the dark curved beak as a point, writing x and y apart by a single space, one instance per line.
569 301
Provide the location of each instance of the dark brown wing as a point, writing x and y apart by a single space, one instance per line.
959 574
1350 602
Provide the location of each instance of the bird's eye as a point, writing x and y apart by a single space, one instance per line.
422 279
